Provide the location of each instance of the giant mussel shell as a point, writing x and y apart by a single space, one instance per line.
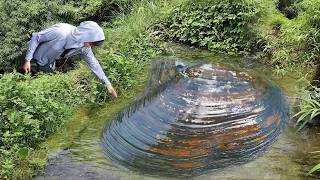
212 117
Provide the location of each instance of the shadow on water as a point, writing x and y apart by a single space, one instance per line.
77 152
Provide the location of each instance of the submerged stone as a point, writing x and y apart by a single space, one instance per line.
212 117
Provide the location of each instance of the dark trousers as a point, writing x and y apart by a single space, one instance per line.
36 68
49 68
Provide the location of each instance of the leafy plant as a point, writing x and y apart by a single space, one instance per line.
309 107
221 26
31 109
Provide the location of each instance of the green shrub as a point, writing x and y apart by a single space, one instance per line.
33 108
221 26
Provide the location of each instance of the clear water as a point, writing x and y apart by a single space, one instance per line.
77 152
213 117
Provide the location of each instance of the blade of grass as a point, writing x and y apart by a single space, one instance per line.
314 169
302 117
302 125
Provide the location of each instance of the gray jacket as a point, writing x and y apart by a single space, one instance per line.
47 46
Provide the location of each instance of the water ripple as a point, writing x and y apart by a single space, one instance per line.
185 126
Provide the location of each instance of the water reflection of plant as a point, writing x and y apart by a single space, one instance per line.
315 168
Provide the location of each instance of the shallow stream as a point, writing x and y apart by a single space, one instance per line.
77 151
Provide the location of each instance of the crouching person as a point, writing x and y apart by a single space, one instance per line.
63 41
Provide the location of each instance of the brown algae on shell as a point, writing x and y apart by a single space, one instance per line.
185 126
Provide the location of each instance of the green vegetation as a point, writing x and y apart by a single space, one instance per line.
309 107
32 108
291 42
297 43
220 26
249 26
309 112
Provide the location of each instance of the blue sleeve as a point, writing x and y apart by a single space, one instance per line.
37 38
88 56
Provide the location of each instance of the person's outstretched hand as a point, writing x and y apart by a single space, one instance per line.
27 67
112 91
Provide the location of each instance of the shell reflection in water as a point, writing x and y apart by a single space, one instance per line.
185 126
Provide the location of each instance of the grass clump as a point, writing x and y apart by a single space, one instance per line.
130 45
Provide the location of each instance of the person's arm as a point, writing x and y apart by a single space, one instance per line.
95 67
36 39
